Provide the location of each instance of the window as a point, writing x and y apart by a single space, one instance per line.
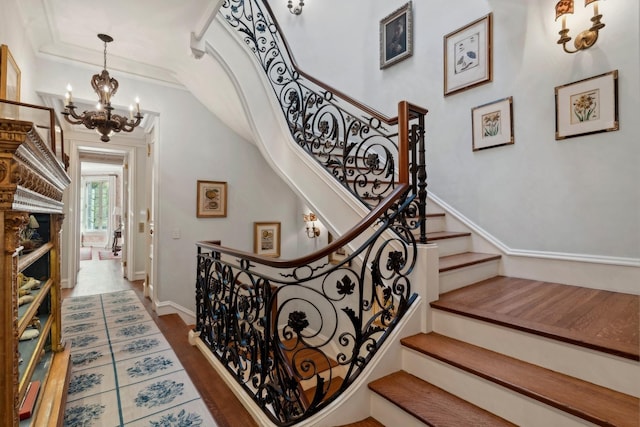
96 205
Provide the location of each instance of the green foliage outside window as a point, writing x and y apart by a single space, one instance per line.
96 206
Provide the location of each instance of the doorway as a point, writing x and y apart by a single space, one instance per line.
100 201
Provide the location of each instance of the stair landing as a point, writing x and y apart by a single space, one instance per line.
601 320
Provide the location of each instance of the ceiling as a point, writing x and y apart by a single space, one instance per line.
149 35
151 41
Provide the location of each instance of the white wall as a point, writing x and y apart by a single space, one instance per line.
579 195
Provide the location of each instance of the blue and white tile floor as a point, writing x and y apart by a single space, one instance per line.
123 370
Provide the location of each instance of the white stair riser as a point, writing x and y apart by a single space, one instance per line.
491 397
452 246
435 224
461 277
609 371
389 414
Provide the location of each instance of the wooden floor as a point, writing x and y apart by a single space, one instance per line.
96 277
601 320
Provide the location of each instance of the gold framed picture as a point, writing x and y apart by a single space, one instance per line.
587 106
9 76
492 124
212 199
266 239
468 56
339 255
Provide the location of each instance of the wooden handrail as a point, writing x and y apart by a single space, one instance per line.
332 247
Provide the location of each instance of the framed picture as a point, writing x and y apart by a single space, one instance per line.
492 124
396 36
587 106
212 199
9 76
266 238
467 56
338 255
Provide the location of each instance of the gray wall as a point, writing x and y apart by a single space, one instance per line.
578 196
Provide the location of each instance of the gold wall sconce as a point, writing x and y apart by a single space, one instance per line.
312 230
586 38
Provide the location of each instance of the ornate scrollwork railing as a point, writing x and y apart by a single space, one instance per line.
295 334
356 144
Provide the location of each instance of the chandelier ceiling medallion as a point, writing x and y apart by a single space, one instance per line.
103 120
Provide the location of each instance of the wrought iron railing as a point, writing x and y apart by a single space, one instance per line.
356 144
295 334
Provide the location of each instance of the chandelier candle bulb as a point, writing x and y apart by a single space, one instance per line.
69 94
138 105
131 112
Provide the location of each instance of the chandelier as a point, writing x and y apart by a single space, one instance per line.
103 120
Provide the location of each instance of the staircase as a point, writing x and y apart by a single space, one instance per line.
507 351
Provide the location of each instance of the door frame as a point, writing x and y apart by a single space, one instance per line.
72 214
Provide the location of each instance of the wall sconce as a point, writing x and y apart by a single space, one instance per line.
312 231
586 38
295 10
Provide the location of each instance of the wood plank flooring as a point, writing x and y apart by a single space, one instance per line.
601 320
97 277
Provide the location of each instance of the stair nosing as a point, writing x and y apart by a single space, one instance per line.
512 324
480 259
416 412
512 383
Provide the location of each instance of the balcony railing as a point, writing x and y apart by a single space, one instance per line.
357 145
295 334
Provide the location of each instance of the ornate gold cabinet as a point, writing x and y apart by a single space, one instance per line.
32 181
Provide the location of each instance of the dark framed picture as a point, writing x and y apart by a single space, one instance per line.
266 239
468 56
9 76
396 36
492 124
587 106
212 199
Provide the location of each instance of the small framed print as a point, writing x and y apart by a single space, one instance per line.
212 199
468 56
266 239
587 106
492 124
9 76
396 36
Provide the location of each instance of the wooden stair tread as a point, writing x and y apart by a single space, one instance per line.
585 400
601 320
441 235
367 422
430 404
466 259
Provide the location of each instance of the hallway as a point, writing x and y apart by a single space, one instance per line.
101 276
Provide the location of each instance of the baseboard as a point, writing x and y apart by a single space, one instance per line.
592 271
139 275
170 307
